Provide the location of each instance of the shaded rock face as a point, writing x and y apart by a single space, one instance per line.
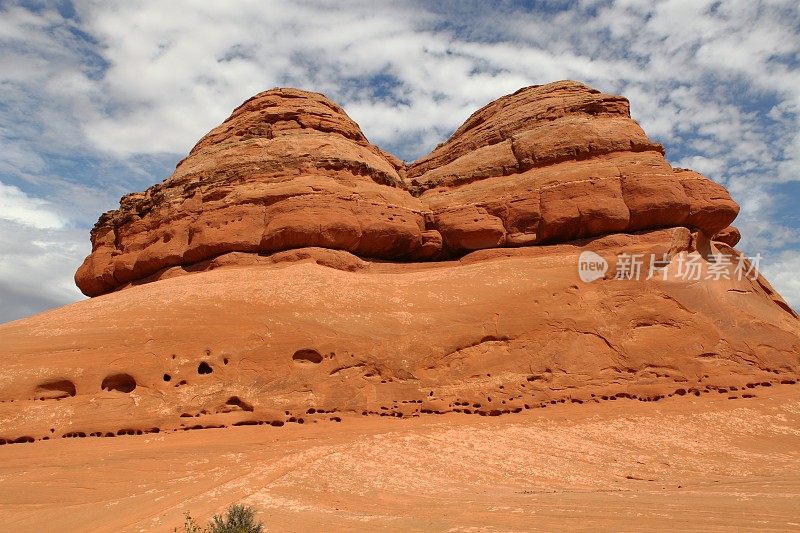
290 272
289 169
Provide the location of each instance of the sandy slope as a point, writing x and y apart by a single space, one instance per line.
706 463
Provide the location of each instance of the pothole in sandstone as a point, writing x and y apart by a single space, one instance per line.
234 403
119 382
55 390
306 356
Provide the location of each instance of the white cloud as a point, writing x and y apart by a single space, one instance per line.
783 273
702 164
37 267
16 206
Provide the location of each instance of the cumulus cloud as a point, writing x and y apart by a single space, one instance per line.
103 97
16 206
37 255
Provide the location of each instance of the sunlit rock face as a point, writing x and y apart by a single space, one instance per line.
289 169
291 272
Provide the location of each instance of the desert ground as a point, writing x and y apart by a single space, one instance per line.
717 462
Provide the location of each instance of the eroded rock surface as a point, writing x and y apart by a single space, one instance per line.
554 163
291 272
322 335
289 169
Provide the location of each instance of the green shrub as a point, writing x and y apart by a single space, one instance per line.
238 519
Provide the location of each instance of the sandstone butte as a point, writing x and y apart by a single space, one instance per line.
290 272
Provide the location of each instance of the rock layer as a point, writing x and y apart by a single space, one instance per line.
321 335
558 162
728 463
289 169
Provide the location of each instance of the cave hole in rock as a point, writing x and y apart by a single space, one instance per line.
55 389
119 382
307 356
204 368
167 377
236 402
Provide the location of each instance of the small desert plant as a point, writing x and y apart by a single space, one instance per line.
189 525
238 519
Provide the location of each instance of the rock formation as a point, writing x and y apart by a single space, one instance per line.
290 271
289 169
555 163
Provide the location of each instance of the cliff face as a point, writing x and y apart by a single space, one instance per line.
289 169
291 272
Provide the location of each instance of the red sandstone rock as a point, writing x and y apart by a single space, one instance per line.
285 275
289 169
730 236
558 162
289 271
314 333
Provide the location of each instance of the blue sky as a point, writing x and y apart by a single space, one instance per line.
102 98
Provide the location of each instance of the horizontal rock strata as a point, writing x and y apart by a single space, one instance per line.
289 169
